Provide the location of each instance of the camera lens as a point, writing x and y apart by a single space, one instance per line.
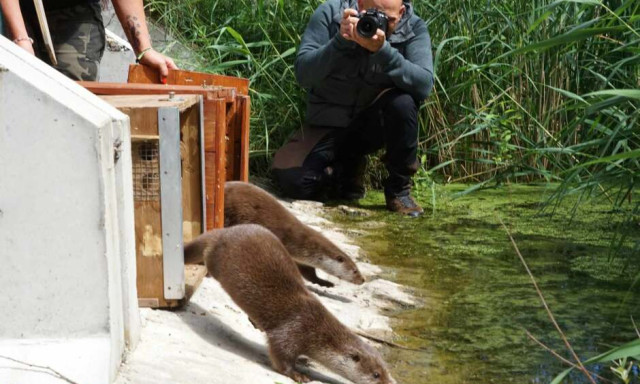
367 27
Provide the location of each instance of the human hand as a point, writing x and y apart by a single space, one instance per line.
159 62
348 23
26 45
373 43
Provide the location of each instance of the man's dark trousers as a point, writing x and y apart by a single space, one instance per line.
391 122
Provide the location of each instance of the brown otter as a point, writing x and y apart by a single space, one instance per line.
255 269
245 203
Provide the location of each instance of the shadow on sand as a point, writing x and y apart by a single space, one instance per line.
223 336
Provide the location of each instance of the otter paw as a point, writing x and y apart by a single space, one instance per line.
300 378
304 361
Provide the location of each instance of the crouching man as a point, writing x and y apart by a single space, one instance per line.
366 66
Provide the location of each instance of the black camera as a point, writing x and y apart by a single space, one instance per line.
370 21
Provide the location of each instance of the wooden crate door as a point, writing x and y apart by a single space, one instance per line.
148 223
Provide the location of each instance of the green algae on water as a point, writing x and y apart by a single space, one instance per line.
479 298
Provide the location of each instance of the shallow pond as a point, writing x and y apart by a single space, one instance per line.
478 297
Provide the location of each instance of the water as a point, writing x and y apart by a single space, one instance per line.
478 298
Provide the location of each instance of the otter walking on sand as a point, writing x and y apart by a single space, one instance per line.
245 203
256 271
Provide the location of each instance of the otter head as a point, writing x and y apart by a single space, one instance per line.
363 364
323 254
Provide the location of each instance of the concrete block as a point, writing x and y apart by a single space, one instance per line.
66 225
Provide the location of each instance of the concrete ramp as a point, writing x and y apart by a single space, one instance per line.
67 246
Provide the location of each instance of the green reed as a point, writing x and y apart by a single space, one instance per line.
524 90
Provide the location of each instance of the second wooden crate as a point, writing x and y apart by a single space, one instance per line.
238 112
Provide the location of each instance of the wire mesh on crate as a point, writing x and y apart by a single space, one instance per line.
146 170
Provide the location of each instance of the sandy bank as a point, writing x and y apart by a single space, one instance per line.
210 340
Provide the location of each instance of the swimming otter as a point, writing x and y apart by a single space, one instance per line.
255 269
245 203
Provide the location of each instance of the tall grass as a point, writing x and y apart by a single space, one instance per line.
524 90
256 39
515 92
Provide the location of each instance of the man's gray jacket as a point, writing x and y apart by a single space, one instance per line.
342 78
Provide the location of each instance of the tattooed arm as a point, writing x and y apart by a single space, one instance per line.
131 16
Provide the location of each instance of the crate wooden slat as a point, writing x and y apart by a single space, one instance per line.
149 267
238 116
151 102
243 142
209 92
232 133
143 74
190 154
215 146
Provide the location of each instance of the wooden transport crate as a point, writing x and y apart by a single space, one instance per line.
168 180
238 113
216 101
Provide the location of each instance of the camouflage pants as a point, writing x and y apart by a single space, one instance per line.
78 39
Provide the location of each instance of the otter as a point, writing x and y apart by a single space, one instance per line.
255 269
246 203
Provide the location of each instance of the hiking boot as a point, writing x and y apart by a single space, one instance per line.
404 204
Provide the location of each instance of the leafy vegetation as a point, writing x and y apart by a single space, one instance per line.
524 90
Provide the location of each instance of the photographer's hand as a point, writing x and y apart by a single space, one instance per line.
372 44
348 24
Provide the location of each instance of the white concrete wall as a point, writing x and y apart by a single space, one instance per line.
67 279
126 230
